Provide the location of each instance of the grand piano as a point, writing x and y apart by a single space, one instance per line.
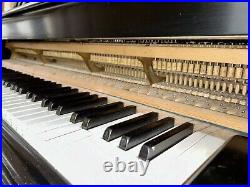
125 93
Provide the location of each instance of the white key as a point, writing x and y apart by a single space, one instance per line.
12 101
46 119
70 149
20 101
70 128
35 114
13 97
25 107
19 104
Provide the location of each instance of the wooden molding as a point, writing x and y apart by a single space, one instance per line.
220 55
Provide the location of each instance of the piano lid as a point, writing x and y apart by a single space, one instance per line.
76 21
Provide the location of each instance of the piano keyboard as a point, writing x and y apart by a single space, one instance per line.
77 132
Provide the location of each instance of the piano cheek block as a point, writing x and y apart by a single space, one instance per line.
158 145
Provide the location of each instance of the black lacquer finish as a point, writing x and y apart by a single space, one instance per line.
72 21
6 53
142 134
122 128
158 145
229 166
106 117
40 167
7 178
19 171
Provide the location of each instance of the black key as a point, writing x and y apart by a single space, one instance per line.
24 83
3 82
106 117
37 87
53 105
122 128
13 86
30 84
46 101
158 145
62 91
80 115
43 84
83 105
142 134
39 97
8 82
19 77
14 76
50 89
